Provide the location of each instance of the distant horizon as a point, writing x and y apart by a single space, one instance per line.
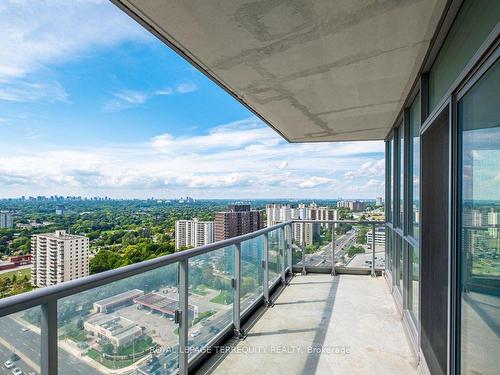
178 198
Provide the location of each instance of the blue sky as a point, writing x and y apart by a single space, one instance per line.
92 104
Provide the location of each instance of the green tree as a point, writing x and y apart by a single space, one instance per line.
104 260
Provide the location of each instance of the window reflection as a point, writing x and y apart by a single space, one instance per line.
479 121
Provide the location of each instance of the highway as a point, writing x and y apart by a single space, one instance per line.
168 360
27 344
323 257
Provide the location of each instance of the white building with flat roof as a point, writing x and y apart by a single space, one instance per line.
193 233
379 238
58 257
119 331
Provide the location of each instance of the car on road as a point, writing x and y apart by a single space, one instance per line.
195 333
153 367
9 364
14 357
24 329
17 371
214 329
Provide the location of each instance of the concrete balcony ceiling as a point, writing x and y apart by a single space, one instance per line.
317 70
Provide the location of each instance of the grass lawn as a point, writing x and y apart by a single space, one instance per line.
139 346
96 356
223 298
200 290
19 273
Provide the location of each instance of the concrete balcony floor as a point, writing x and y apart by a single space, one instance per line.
351 319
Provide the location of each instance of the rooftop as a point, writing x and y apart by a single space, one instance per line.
60 235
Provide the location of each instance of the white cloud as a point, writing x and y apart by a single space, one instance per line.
38 34
368 169
283 164
241 159
186 88
24 90
315 181
232 136
124 99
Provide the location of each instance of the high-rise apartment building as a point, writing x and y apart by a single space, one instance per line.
277 213
192 233
237 220
378 201
58 257
302 233
352 205
6 220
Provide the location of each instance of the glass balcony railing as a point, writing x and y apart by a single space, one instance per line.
160 316
347 244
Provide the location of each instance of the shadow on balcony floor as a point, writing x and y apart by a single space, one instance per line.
322 325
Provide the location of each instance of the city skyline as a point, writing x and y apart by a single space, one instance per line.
87 110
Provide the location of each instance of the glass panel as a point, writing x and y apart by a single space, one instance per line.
399 262
117 326
274 260
400 176
20 343
389 250
390 185
296 246
413 277
287 245
476 19
252 273
210 296
318 245
353 248
479 121
414 185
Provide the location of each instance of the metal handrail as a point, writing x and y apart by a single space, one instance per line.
47 298
13 304
36 297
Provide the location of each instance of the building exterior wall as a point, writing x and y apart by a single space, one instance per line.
193 233
238 220
6 219
58 257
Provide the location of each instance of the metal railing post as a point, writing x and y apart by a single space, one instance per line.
265 265
282 254
304 271
184 318
373 251
48 344
238 333
333 250
290 249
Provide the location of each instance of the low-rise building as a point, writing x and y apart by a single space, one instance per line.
117 330
107 305
379 238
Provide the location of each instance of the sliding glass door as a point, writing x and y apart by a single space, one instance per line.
479 126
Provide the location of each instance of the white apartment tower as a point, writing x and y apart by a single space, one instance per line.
58 257
6 220
193 233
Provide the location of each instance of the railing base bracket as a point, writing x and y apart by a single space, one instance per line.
239 334
268 304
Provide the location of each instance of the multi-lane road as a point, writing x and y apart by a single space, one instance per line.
27 346
323 257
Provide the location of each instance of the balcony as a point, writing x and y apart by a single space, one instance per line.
323 325
192 302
